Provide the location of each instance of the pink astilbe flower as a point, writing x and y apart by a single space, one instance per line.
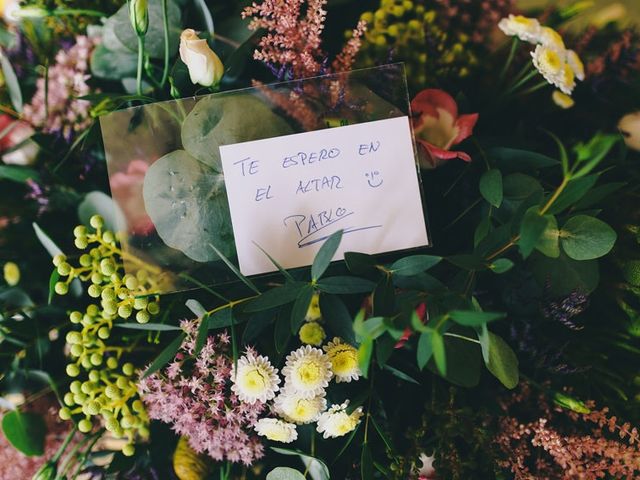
64 113
194 397
294 40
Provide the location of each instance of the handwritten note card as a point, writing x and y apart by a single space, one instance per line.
288 194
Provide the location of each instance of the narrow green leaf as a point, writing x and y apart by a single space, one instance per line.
472 318
197 282
46 241
586 238
203 330
345 285
573 192
371 328
282 332
235 270
223 318
511 159
324 255
360 263
275 297
152 327
337 317
18 174
414 264
25 431
11 82
483 337
491 187
501 265
196 308
593 152
503 363
532 227
425 349
364 356
165 356
286 274
366 463
400 374
53 279
257 324
300 307
439 354
384 297
385 438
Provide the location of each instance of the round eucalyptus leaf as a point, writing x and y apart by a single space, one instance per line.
585 238
187 202
224 120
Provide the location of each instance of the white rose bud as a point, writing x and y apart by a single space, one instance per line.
629 126
205 68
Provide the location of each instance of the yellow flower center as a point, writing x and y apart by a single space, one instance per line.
344 361
309 373
277 434
551 60
253 380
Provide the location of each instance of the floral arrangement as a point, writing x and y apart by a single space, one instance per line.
508 350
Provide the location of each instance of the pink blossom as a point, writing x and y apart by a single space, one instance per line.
194 397
18 137
126 188
438 127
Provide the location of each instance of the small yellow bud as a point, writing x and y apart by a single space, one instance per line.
11 274
96 221
312 334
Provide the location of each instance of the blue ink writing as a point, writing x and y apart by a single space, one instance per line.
304 158
374 178
318 184
366 148
248 166
263 194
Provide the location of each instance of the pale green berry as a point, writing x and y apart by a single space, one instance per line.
112 363
127 422
76 350
64 413
128 369
104 332
140 303
94 375
128 450
124 311
96 359
86 362
68 399
93 310
153 308
108 237
96 278
79 398
61 288
74 337
64 269
85 425
137 406
111 424
85 260
122 382
108 294
131 282
75 317
112 392
93 408
58 259
81 242
73 370
87 320
107 267
79 231
75 386
143 316
110 306
94 290
86 387
96 221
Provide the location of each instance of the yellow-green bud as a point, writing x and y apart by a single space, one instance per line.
74 337
68 399
64 269
104 332
108 294
86 362
142 316
94 375
81 242
122 383
80 231
137 406
93 408
75 386
85 425
112 392
76 350
139 16
108 237
73 370
11 274
153 308
61 288
96 278
96 359
111 424
94 291
86 387
131 282
112 363
64 413
128 369
107 267
128 450
58 259
124 311
75 317
140 303
96 221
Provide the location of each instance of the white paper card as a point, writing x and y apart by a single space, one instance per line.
288 194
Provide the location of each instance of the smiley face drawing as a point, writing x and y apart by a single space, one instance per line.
374 179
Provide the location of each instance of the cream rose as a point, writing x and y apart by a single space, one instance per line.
205 68
629 126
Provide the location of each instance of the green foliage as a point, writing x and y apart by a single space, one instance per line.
586 238
284 473
491 187
503 362
25 431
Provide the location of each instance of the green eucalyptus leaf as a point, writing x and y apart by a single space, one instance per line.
439 352
549 243
473 318
503 363
223 120
414 264
300 307
275 297
491 187
25 431
564 275
511 159
18 174
165 356
113 64
285 473
531 229
573 192
196 307
400 374
315 467
586 238
501 265
519 186
151 327
187 203
425 349
337 317
325 255
345 285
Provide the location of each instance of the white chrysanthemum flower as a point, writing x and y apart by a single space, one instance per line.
297 409
549 38
336 422
576 64
276 430
562 100
551 65
254 379
526 29
307 372
344 360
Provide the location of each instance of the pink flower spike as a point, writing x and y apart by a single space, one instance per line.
438 127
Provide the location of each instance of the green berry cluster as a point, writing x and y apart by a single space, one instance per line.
409 32
103 385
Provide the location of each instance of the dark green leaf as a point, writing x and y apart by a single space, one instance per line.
300 307
366 463
425 349
483 337
360 263
439 354
549 243
400 374
511 159
325 254
501 265
592 153
463 360
113 64
370 328
284 273
337 317
573 192
472 318
12 84
384 297
165 356
316 467
531 230
481 231
221 319
257 324
564 275
586 238
467 262
345 285
282 332
203 331
491 187
53 279
25 431
196 308
275 297
598 194
414 264
503 363
384 348
364 356
152 327
18 174
519 186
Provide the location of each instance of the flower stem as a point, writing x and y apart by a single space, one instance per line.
140 64
165 24
512 52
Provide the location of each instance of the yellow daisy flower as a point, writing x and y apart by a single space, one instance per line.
254 379
336 422
307 372
312 333
344 360
526 29
276 430
562 100
294 408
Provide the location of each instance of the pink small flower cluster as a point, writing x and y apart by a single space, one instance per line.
64 113
294 41
193 395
